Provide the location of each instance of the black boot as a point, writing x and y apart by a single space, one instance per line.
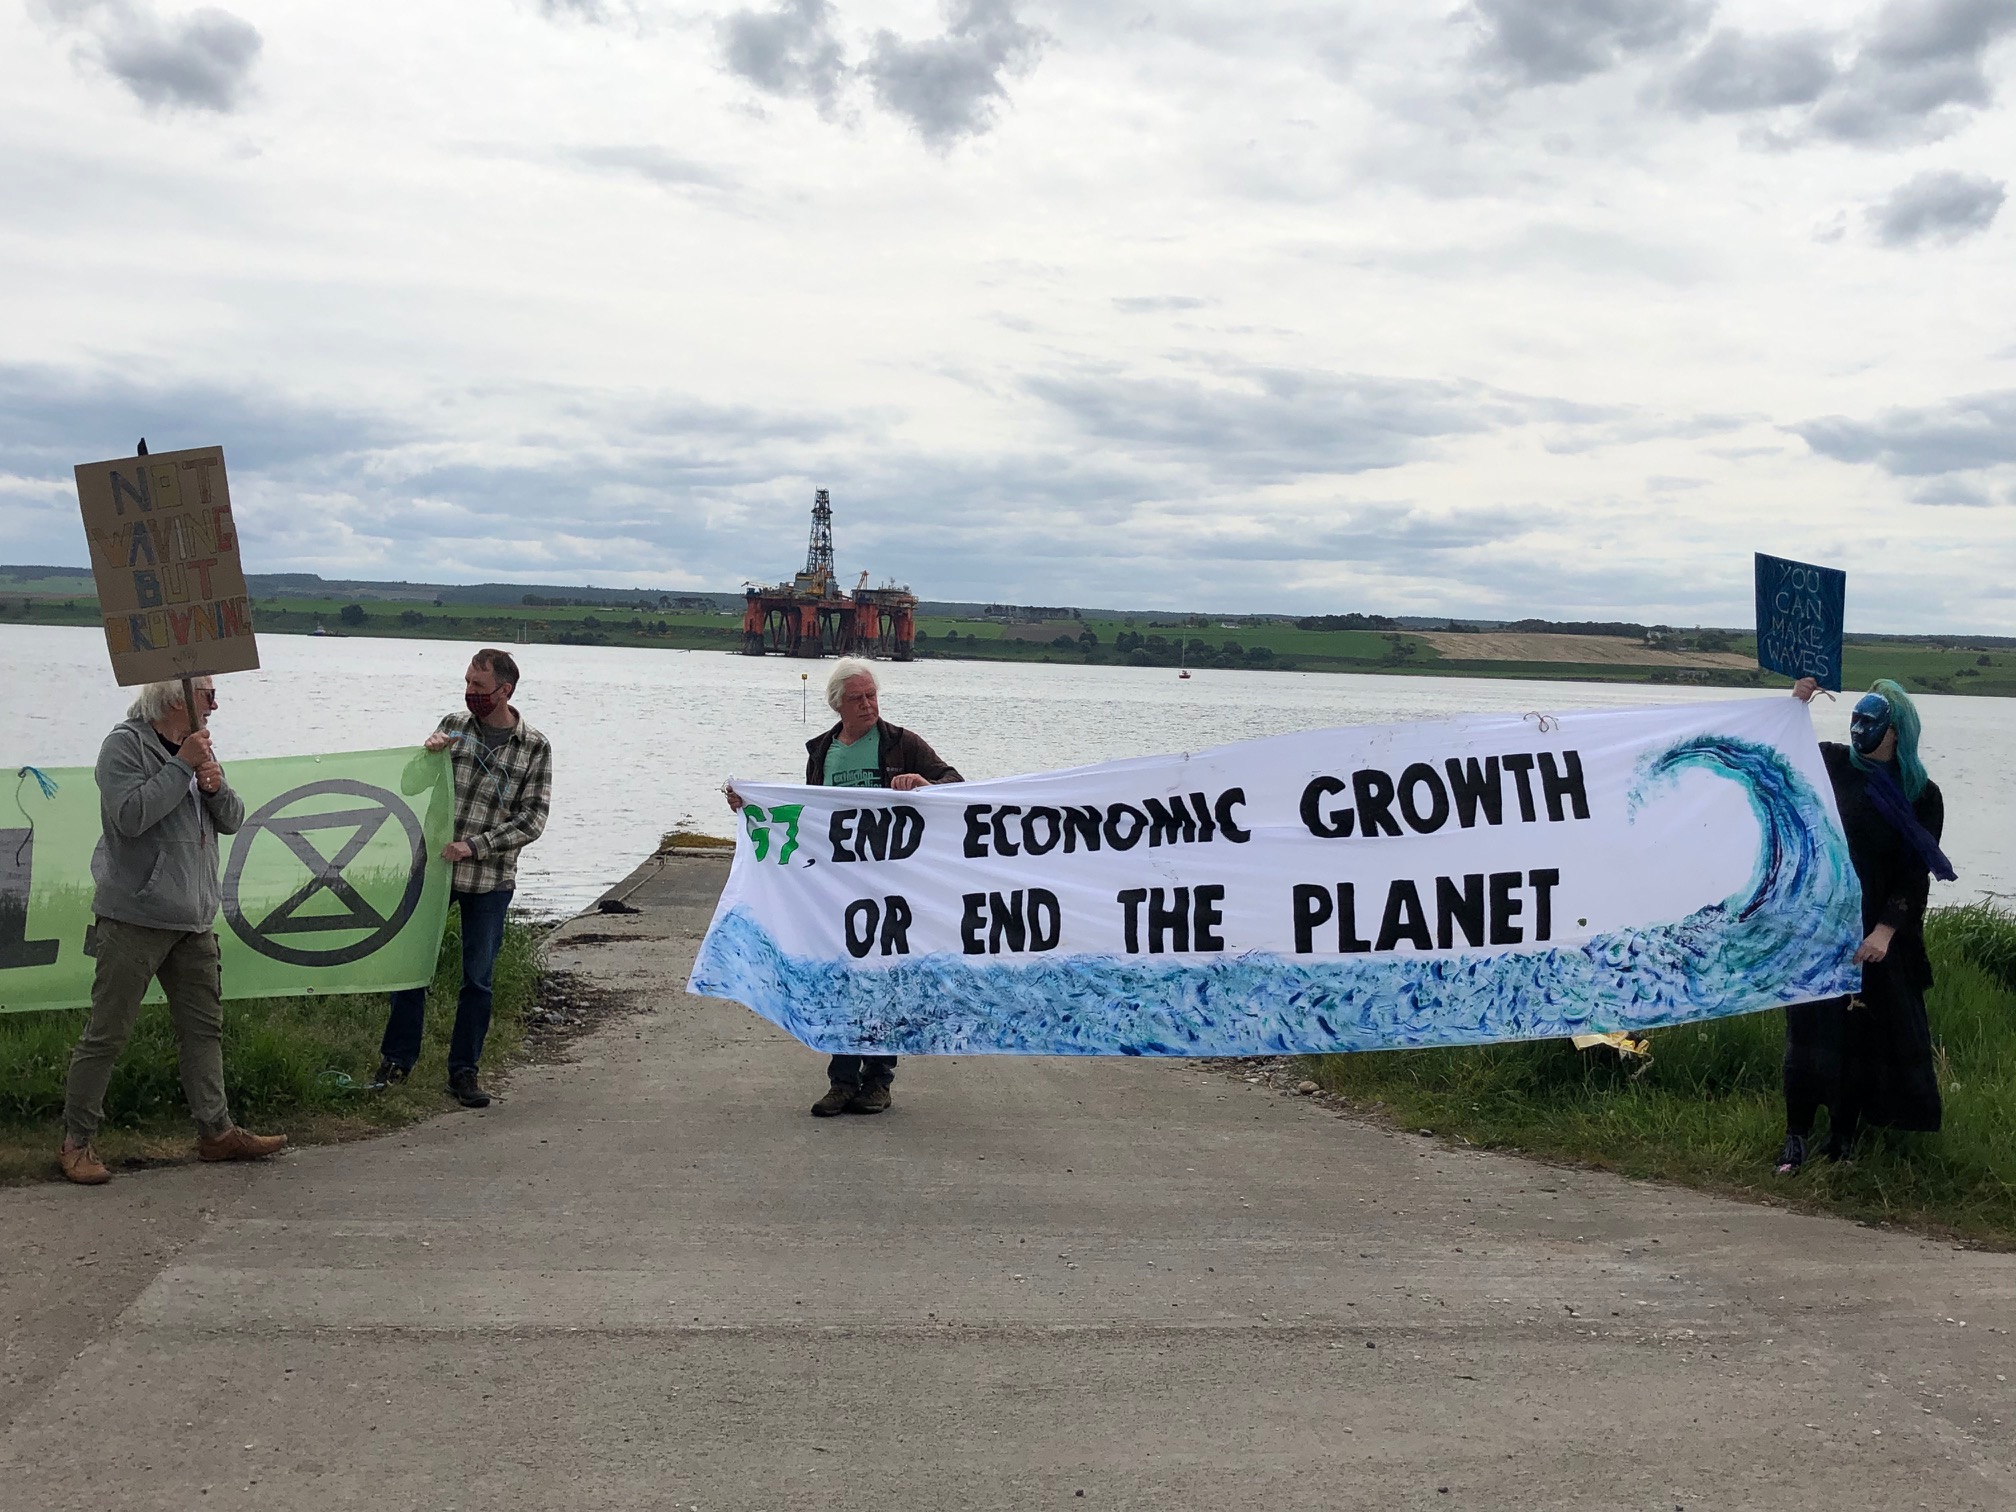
1792 1155
462 1087
389 1073
1840 1146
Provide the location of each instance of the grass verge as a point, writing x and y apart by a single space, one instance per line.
285 1064
1707 1111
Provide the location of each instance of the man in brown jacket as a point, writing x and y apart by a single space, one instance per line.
864 750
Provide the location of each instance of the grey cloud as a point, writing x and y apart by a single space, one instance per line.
1918 71
949 87
653 163
1549 247
1149 304
1955 493
52 418
1267 425
1918 74
1067 532
199 61
637 486
1937 207
1535 42
1959 435
661 490
588 449
790 52
1737 71
1590 429
1393 533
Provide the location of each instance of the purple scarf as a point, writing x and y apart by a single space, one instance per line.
1896 810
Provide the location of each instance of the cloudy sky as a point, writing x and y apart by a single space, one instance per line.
1520 306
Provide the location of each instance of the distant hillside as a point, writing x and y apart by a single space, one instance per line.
51 581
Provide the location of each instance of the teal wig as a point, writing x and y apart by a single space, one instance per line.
1904 720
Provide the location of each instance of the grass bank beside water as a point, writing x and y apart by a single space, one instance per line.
1707 1111
279 1056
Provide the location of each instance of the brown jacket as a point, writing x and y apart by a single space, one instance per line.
901 751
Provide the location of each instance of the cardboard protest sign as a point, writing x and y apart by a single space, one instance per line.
164 552
1800 609
1445 882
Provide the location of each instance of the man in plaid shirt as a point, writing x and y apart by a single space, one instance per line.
503 789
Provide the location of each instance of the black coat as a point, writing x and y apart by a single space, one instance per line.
1895 883
1869 1057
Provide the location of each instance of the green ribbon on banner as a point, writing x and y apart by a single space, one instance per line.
334 883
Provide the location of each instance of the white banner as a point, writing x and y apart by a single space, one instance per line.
1443 882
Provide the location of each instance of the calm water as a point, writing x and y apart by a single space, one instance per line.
642 740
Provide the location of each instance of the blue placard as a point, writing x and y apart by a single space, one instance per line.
1799 614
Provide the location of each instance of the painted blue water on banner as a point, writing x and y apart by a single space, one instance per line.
1778 940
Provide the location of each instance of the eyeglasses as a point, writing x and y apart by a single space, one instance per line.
208 695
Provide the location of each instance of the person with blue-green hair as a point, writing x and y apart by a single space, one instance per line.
1867 1058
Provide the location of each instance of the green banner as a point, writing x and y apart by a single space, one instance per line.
333 884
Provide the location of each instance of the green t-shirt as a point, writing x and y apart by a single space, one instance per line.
856 765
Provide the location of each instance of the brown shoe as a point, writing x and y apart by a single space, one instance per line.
873 1098
239 1144
82 1165
835 1101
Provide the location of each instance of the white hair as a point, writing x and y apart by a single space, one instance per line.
155 699
844 671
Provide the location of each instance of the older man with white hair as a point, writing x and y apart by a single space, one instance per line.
864 750
164 803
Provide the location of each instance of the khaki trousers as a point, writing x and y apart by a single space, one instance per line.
129 957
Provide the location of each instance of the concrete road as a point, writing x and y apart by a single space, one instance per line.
647 1279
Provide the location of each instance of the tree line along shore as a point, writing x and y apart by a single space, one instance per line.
1340 643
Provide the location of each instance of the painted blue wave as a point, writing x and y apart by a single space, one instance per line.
1785 938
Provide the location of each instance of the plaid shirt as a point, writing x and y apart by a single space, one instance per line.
501 799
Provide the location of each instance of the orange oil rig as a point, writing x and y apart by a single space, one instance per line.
810 616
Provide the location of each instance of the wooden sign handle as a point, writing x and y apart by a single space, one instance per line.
195 710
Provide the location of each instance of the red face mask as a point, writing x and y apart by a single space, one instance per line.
480 704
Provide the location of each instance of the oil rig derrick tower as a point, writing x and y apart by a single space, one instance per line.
819 554
810 616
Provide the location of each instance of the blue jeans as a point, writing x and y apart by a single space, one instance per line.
482 934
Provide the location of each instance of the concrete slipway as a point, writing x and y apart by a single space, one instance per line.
647 1280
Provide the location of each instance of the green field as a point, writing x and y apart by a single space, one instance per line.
1707 1111
1145 640
1921 668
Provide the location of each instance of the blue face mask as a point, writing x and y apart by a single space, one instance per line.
1869 723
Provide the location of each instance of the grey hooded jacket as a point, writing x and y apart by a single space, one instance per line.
157 865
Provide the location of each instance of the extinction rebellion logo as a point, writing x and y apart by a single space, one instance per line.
336 861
